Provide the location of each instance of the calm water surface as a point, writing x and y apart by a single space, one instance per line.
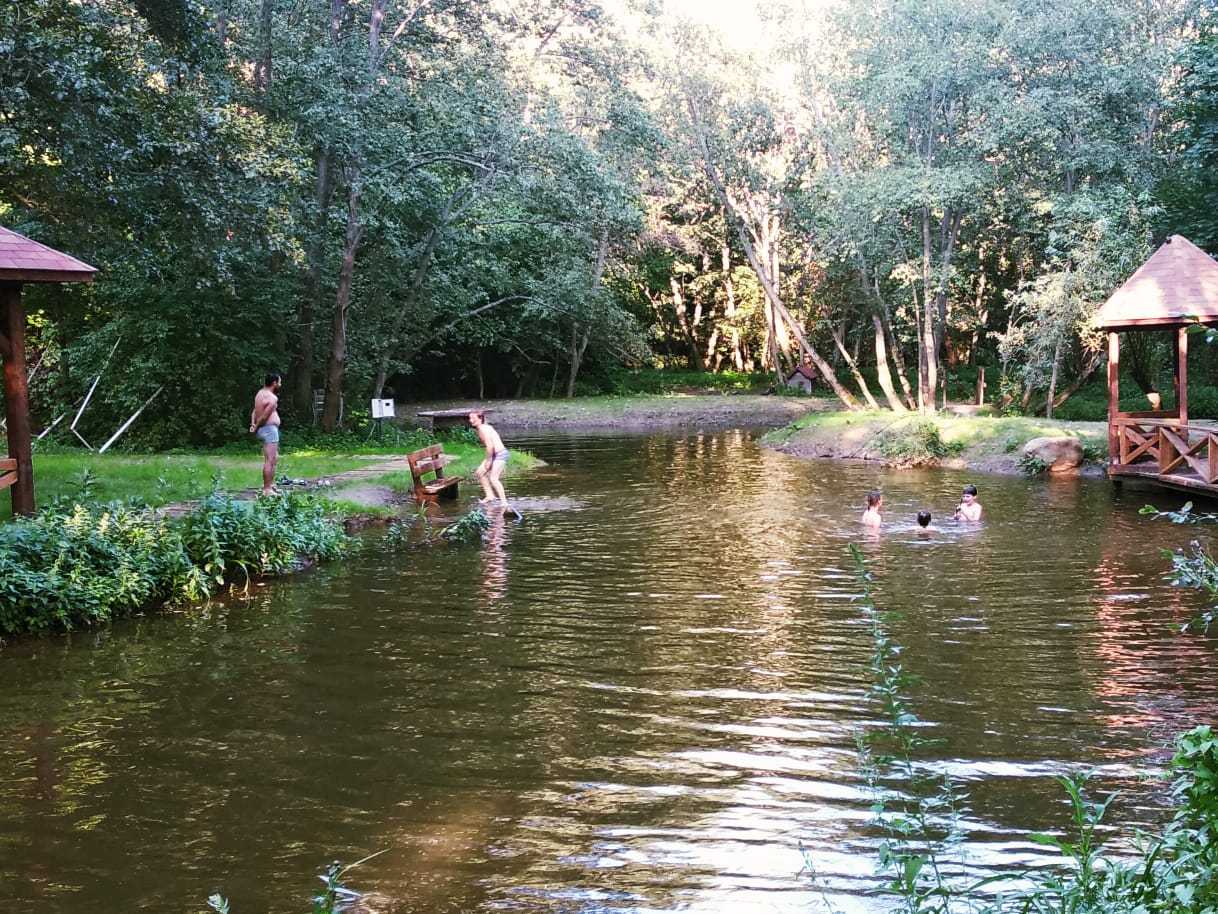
646 703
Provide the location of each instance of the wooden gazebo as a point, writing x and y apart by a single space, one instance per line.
23 260
1177 288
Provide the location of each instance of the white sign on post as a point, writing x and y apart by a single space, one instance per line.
382 409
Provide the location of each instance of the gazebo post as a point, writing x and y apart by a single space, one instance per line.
1114 392
1182 374
17 396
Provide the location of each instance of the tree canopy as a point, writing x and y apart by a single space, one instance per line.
432 197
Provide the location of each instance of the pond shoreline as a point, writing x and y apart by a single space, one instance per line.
983 444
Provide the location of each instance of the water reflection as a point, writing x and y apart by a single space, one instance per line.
646 704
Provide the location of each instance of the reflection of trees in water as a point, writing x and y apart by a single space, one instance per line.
1152 679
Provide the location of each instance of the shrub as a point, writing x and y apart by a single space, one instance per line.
913 443
76 565
1031 465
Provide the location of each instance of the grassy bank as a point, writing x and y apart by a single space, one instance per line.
159 479
986 443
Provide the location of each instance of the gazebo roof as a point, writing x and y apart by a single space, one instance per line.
25 260
1177 285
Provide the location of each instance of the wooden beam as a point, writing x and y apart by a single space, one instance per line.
1182 373
17 399
1114 398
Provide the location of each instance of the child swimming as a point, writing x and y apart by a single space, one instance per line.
871 516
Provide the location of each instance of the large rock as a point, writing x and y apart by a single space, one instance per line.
1060 454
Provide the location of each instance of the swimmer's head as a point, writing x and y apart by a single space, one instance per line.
923 518
874 498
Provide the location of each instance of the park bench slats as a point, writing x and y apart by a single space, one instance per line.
8 472
432 460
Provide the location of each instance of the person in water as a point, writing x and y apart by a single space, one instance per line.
871 516
924 521
969 508
492 466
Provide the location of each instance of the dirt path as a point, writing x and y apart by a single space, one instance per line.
636 413
340 485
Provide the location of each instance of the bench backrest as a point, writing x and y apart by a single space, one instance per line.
426 460
8 472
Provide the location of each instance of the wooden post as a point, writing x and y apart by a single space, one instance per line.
1181 378
1114 393
981 385
17 397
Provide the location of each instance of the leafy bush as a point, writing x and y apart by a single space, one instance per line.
1031 465
75 564
913 443
468 529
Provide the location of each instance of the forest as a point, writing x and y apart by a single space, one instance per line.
538 198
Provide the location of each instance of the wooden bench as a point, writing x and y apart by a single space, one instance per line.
439 419
8 472
432 460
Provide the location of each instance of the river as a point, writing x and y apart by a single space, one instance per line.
645 702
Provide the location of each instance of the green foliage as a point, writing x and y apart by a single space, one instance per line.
76 565
1032 465
468 529
629 382
915 442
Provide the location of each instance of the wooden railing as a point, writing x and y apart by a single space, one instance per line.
1165 447
8 472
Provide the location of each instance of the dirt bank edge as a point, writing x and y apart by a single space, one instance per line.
983 444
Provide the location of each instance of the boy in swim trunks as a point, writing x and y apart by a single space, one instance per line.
497 455
264 425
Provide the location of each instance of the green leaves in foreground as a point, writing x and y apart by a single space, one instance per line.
468 529
1172 872
75 565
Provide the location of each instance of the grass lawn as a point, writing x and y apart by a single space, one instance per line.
165 478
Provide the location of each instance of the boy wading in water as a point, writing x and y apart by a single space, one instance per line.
871 517
264 425
492 467
969 508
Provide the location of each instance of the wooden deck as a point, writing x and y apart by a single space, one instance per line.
1165 451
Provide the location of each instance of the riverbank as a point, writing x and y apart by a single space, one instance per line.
985 444
639 412
357 478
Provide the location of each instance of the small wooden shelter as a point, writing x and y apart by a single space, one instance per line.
1177 288
23 260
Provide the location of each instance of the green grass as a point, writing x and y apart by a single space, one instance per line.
166 478
975 436
627 382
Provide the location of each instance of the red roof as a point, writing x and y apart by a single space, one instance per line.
806 370
25 260
1177 285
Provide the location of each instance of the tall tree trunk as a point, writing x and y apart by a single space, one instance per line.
725 259
1057 359
852 363
928 363
881 367
336 370
759 268
691 346
311 301
579 342
894 347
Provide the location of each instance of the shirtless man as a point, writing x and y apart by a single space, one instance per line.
264 424
969 508
492 467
